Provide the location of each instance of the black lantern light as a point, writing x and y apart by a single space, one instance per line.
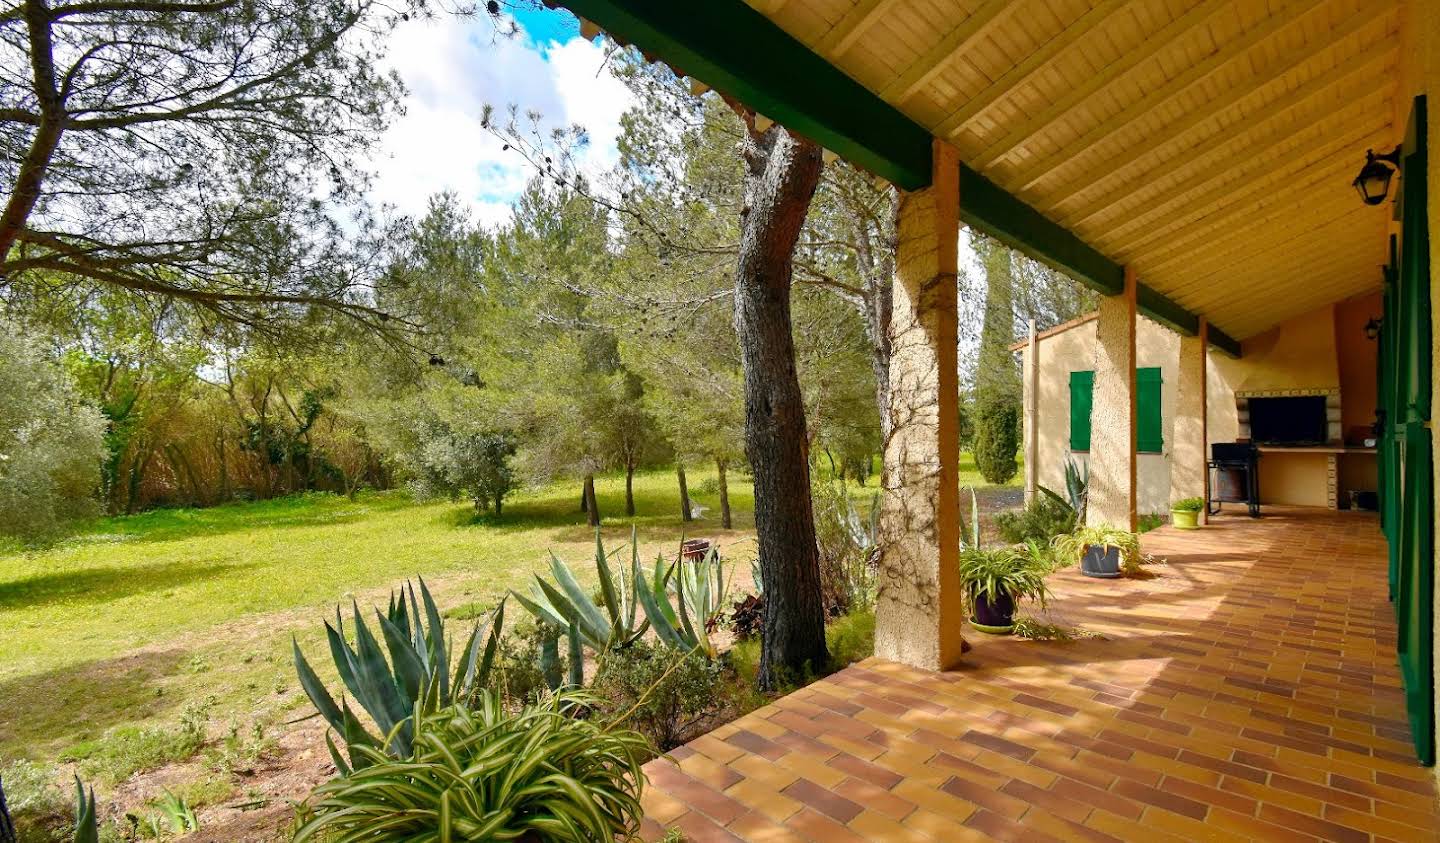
1373 183
1372 329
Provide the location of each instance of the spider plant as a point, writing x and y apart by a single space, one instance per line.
1017 572
1069 547
480 774
417 678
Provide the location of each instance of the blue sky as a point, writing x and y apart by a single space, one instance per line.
453 67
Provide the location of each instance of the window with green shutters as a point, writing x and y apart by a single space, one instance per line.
1150 430
1150 435
1081 386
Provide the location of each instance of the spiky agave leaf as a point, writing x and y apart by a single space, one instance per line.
87 827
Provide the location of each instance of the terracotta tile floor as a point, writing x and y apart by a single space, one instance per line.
1248 690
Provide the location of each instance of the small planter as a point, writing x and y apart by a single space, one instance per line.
1185 519
994 615
1101 560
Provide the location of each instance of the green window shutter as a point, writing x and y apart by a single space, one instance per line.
1081 386
1150 431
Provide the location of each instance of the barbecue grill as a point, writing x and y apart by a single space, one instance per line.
1234 476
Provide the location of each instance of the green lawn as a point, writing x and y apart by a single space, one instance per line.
137 616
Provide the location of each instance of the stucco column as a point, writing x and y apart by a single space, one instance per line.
1188 451
918 610
1112 415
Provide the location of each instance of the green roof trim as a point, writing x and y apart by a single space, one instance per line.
738 51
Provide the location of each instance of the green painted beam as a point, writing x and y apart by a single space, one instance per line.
989 208
1223 341
739 52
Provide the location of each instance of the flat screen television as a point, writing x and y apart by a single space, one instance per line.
1292 420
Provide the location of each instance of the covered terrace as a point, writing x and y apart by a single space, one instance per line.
1192 161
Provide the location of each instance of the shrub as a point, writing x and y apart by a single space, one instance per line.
848 544
1040 521
747 616
482 774
997 438
851 637
51 442
516 677
668 697
38 807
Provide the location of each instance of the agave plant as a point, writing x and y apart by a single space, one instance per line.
418 677
973 539
87 826
700 589
550 658
565 603
480 774
1077 482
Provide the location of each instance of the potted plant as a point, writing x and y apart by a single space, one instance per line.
1185 513
1103 551
995 579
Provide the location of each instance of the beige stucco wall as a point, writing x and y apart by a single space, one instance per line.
1299 354
1074 350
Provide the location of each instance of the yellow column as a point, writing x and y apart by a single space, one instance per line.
1188 451
918 609
1112 415
1031 371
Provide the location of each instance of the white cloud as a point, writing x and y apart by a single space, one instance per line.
452 68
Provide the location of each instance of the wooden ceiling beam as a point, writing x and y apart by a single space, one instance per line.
1280 222
851 27
956 42
1332 81
1154 44
1227 220
1266 243
1225 187
1191 117
1034 63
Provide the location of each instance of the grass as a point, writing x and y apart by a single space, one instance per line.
111 634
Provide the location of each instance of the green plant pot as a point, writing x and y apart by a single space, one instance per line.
1184 519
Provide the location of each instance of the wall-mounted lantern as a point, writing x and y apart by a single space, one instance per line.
1373 183
1372 329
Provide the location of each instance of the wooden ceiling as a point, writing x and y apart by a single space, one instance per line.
1208 143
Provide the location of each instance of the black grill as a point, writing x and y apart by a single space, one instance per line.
1234 476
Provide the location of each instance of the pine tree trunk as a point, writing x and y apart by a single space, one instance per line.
592 508
782 172
499 503
630 490
684 494
585 495
724 493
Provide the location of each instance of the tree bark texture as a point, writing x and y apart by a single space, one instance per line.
782 172
720 466
592 509
684 494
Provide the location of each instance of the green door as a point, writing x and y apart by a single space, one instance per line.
1406 456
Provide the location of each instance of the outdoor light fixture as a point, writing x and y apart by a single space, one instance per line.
1373 183
1372 329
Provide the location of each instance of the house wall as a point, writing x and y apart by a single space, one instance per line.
1304 353
1074 350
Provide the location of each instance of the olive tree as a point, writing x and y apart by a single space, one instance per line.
51 442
